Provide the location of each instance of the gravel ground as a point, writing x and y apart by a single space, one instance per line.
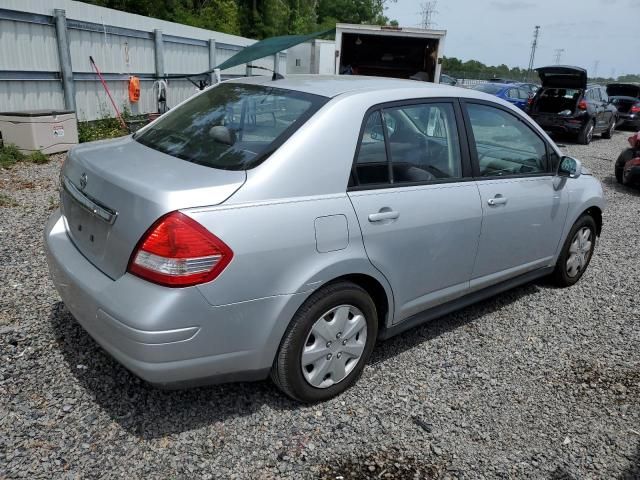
536 383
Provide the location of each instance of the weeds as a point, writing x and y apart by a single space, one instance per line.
10 155
100 130
7 201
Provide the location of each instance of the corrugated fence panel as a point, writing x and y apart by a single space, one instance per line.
16 95
28 46
179 90
112 53
181 58
92 101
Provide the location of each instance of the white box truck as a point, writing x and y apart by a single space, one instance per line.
375 50
385 51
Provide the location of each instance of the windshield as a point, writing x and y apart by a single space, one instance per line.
231 126
491 88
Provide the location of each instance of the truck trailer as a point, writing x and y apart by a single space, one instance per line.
375 50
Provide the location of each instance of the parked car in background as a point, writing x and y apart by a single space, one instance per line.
217 245
511 92
566 104
626 98
501 80
532 88
627 168
448 79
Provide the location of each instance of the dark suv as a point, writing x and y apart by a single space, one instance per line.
566 104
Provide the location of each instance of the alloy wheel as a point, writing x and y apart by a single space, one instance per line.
590 133
579 252
334 346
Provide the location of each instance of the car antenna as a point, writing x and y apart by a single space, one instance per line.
274 77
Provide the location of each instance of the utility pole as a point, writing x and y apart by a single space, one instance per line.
596 64
558 55
427 12
534 46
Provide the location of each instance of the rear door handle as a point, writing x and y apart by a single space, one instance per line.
497 201
386 215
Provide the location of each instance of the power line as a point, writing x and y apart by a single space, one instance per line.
534 46
427 12
558 55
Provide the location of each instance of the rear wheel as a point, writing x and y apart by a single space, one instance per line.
619 173
576 252
586 134
609 132
325 348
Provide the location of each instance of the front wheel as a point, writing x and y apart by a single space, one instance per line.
576 252
327 344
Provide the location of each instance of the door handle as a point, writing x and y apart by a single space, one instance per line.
497 200
384 215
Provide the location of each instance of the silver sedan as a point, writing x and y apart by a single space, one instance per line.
283 227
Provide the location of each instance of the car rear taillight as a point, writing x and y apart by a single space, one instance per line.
635 108
582 105
177 251
635 162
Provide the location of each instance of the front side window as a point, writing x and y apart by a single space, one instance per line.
231 126
504 144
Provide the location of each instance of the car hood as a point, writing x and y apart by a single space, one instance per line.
623 90
562 77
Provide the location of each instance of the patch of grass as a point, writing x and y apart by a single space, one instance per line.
7 201
100 130
10 155
37 157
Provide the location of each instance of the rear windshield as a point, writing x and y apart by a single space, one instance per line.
564 93
231 126
491 88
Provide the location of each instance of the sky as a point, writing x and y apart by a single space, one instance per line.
602 32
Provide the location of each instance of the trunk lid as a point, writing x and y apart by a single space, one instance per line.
623 90
114 190
563 77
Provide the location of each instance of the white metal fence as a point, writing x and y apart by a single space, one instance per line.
45 47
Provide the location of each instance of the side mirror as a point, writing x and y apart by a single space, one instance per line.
569 167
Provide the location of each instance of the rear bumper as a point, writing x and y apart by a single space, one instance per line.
628 120
561 126
167 336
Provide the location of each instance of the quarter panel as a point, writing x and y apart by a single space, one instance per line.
274 246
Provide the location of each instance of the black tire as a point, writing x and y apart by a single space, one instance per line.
560 275
286 371
608 133
619 172
586 134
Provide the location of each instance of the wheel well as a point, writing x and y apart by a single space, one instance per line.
596 213
375 290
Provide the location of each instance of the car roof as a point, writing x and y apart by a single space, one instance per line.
334 85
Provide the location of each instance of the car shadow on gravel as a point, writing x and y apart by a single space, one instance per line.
613 184
458 319
633 471
149 412
146 411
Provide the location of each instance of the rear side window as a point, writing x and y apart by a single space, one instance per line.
504 144
491 88
231 126
421 140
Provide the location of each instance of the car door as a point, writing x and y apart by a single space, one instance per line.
418 208
608 109
593 97
523 211
513 96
